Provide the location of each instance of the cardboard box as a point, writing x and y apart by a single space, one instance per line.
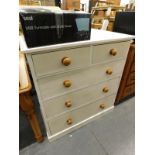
46 26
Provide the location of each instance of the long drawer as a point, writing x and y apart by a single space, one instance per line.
63 83
73 117
58 61
109 52
78 98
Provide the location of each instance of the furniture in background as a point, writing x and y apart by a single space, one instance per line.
77 82
70 5
127 85
25 100
125 23
40 2
104 11
93 2
30 2
130 7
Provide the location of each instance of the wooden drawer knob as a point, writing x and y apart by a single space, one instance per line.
69 121
105 89
113 52
68 104
66 61
67 83
109 71
102 106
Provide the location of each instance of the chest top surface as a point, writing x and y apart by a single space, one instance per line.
97 37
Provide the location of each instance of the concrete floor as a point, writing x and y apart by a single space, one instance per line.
112 134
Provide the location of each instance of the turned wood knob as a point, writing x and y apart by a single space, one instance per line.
109 71
113 52
68 104
105 89
69 121
102 106
66 61
67 83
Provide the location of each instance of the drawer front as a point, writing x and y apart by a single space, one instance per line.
73 117
129 90
109 52
78 98
60 61
73 80
131 78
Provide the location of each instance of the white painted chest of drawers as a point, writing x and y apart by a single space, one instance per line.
77 82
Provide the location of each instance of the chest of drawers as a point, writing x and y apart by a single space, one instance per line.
77 82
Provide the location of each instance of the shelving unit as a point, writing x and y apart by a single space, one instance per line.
104 11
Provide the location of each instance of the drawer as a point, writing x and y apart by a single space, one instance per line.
129 90
73 117
131 78
78 98
59 61
53 86
109 52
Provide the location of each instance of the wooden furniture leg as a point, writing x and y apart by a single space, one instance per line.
27 107
25 100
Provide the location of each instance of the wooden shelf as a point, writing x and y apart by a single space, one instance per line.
105 12
105 8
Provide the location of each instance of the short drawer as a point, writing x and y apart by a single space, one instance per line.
63 83
73 117
59 61
109 52
78 98
131 78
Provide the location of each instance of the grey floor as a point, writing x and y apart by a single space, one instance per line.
112 134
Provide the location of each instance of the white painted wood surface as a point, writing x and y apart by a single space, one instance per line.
53 85
56 106
101 52
97 37
59 124
90 60
51 62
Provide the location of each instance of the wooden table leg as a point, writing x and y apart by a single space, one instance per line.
26 105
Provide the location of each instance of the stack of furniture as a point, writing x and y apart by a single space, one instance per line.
104 11
30 2
77 82
70 5
40 2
